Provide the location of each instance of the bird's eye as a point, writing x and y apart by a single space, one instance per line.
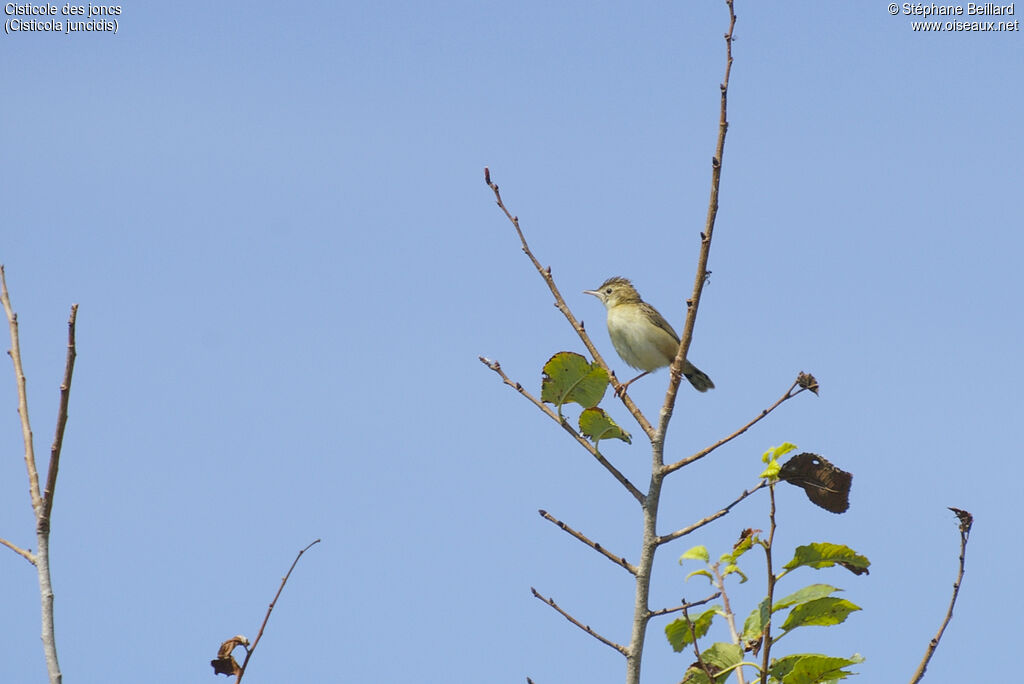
608 291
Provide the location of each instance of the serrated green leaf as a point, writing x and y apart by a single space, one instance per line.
696 553
721 658
678 631
808 593
811 668
822 612
825 555
598 425
722 655
753 627
568 377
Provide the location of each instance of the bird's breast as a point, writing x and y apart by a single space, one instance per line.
641 344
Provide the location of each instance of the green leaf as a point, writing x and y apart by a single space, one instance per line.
568 377
732 568
721 658
705 573
811 668
771 472
775 453
678 631
696 553
597 425
808 593
825 555
823 611
753 627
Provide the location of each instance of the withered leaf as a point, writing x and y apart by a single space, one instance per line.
826 485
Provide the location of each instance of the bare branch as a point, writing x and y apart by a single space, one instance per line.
711 518
685 606
62 420
586 628
725 440
580 439
966 520
545 273
27 555
618 560
249 650
19 375
700 278
650 543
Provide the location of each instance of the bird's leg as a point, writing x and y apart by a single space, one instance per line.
622 388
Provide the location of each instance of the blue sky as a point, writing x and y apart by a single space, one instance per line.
287 263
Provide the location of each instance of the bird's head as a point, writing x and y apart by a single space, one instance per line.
615 291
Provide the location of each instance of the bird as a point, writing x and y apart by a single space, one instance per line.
641 336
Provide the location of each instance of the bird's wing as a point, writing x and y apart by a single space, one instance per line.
659 320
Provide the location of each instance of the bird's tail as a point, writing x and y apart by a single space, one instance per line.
698 378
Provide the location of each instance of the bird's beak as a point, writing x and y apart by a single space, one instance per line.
592 292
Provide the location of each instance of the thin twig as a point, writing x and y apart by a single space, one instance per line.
27 555
966 520
62 420
696 648
700 278
618 560
685 606
19 374
714 516
586 628
545 273
580 439
672 467
249 650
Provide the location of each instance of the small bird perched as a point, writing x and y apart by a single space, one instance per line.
641 335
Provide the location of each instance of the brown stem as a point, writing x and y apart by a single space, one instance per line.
618 560
62 421
966 520
766 644
725 440
284 580
711 518
586 628
700 277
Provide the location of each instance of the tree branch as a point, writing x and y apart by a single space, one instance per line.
585 628
62 420
27 555
700 277
580 439
284 580
545 273
19 374
685 606
618 560
966 520
711 518
725 440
